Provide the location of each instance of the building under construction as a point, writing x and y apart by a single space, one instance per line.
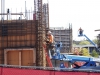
22 44
63 35
22 40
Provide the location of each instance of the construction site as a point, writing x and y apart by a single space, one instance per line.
21 37
23 43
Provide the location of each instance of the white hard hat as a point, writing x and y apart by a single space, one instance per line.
49 32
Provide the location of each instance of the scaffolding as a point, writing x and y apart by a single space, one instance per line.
63 35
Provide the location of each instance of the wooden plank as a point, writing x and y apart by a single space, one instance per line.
33 37
9 44
22 38
13 44
27 58
22 43
4 44
1 56
13 57
28 43
28 37
18 44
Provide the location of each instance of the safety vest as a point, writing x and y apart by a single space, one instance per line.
51 38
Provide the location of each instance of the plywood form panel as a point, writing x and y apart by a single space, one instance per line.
22 44
14 44
17 44
0 44
28 40
13 57
28 43
1 56
27 58
33 37
31 31
15 31
0 38
9 41
11 32
9 45
28 37
17 38
4 38
0 41
33 43
22 38
4 44
9 38
13 38
33 40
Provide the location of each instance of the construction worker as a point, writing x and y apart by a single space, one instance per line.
50 42
80 31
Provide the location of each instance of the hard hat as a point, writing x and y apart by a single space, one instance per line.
49 32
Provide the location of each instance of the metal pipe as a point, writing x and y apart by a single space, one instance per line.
25 10
12 13
2 8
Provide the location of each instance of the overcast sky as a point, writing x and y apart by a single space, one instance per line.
81 13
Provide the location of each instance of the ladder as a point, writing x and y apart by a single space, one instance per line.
47 57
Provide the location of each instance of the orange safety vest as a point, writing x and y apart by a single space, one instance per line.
51 38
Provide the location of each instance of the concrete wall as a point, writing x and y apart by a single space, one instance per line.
17 34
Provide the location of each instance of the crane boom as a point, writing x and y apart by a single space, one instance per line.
90 41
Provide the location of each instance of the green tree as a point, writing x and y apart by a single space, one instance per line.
84 42
95 41
74 44
85 52
94 54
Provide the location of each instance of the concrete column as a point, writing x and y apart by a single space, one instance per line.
88 50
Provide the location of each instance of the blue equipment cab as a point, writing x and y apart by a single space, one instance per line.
58 47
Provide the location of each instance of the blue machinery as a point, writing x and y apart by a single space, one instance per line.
80 35
89 61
